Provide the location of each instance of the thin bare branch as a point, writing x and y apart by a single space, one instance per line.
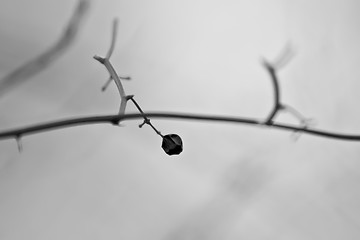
115 119
146 119
105 86
277 105
281 61
302 119
113 38
116 78
113 75
39 63
19 143
284 57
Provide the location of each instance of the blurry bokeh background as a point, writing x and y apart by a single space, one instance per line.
200 56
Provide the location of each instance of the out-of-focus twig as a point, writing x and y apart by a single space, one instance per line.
42 61
282 60
277 104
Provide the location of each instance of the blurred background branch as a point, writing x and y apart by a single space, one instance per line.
41 62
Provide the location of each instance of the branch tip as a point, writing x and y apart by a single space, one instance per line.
125 78
129 97
19 143
265 63
100 59
284 57
142 124
106 84
113 39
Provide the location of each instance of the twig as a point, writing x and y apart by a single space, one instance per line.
146 119
113 38
109 81
117 81
113 75
39 63
115 119
284 57
278 105
19 143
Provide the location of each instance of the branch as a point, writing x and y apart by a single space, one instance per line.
116 78
146 119
113 75
278 105
39 63
113 38
115 119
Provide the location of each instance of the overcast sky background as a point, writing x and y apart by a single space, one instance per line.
199 56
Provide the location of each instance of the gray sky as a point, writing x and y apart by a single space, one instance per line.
231 181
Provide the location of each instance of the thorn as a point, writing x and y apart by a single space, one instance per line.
146 121
19 143
126 78
100 59
308 122
106 84
128 97
115 122
295 135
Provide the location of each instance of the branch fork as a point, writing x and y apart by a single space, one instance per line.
113 74
117 79
272 69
